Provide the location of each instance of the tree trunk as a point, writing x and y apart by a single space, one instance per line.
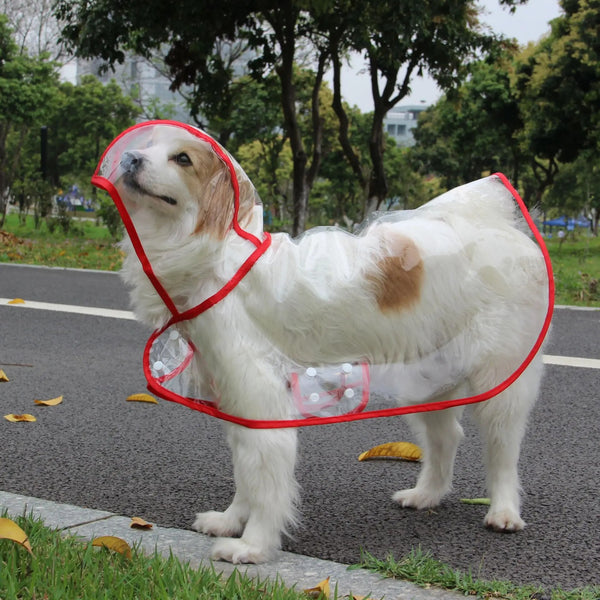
378 186
283 22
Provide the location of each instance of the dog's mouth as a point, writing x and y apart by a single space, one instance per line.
131 182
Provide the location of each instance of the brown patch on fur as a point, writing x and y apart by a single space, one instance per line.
399 275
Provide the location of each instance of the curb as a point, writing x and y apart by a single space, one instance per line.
296 571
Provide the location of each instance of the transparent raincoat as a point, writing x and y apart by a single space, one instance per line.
317 393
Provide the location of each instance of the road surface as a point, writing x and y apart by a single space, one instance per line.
165 463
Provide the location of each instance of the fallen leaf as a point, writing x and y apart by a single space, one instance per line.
321 590
139 523
116 544
25 418
52 402
9 530
142 398
485 501
3 376
403 450
16 301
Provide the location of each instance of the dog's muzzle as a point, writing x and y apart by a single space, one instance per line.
131 162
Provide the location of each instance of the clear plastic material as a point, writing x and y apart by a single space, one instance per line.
381 366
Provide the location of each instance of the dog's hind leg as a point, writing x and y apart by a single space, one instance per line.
439 434
266 493
503 421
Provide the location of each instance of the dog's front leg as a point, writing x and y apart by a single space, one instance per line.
229 523
266 493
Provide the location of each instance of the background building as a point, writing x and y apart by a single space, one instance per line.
138 78
401 120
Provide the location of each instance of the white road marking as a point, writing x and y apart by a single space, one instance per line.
565 361
67 308
572 361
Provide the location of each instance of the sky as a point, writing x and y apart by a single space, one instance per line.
527 24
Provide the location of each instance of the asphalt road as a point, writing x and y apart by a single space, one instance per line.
165 462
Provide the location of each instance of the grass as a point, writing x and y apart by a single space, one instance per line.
87 245
66 568
576 263
422 569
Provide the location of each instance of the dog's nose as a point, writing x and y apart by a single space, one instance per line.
131 161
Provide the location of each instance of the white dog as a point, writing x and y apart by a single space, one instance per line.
457 280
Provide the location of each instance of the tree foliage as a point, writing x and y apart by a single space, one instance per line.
27 91
399 39
533 114
473 130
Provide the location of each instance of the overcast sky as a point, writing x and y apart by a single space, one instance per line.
528 24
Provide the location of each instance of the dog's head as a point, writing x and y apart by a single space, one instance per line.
173 177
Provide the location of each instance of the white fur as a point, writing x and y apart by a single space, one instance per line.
481 298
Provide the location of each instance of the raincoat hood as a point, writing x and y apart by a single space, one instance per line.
318 393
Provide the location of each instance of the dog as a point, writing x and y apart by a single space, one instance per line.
456 278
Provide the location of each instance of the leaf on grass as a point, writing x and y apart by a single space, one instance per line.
402 450
16 301
52 402
139 523
142 398
116 544
321 590
25 418
3 376
9 530
485 501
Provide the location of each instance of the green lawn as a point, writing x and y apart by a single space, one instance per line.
66 568
576 264
87 245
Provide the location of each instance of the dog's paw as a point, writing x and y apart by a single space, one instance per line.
238 551
416 498
218 524
504 521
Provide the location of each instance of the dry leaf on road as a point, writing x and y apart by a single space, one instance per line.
402 450
25 418
51 402
3 376
142 398
16 301
9 530
139 523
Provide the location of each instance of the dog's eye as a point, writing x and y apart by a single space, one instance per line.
183 160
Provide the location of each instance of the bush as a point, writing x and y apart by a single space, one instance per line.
110 216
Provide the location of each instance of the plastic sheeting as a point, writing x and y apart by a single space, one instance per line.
358 386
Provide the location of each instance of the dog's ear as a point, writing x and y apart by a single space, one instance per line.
216 199
216 196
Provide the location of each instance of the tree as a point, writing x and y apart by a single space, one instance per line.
399 40
28 88
557 83
474 129
87 118
410 35
194 32
35 30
